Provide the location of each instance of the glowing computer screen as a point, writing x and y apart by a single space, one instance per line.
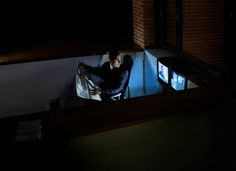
177 81
163 72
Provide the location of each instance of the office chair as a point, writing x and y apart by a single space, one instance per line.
127 64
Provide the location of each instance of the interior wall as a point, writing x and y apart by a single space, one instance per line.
28 87
136 83
152 86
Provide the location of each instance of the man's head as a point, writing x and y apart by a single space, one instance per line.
115 59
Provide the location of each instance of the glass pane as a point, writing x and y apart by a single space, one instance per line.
171 22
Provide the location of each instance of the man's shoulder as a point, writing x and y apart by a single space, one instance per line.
106 64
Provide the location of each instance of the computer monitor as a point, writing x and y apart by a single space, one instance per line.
163 72
178 81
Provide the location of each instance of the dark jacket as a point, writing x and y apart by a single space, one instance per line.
113 80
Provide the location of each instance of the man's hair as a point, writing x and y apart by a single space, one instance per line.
113 54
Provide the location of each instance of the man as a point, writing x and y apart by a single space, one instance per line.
113 73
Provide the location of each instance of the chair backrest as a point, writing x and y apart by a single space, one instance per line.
127 64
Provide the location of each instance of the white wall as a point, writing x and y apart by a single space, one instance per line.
28 87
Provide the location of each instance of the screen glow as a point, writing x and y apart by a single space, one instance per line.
163 72
177 81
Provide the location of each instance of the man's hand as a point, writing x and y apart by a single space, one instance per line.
81 67
96 91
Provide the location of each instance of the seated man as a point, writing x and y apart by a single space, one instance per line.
113 74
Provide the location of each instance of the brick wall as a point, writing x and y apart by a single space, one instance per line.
143 22
203 30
